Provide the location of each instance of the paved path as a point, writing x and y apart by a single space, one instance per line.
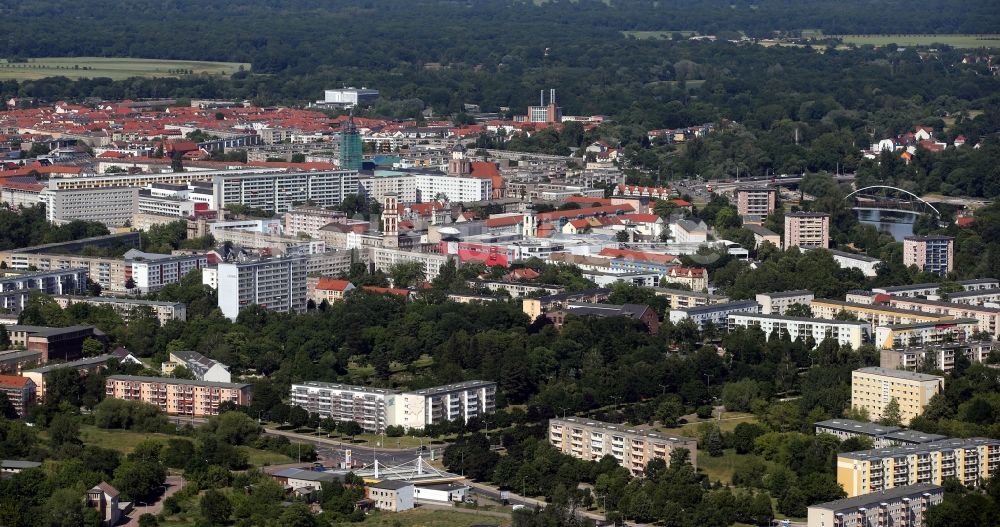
174 484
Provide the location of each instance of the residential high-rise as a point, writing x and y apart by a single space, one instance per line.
873 388
756 201
277 284
633 449
809 230
350 146
971 461
845 332
112 206
452 402
342 402
901 506
934 254
178 396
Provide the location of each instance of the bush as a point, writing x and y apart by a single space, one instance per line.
148 520
704 411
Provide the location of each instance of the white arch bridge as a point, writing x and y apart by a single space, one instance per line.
890 199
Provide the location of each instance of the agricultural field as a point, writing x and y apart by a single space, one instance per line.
429 518
114 68
958 41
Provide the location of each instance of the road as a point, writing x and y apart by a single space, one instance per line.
333 451
493 493
173 484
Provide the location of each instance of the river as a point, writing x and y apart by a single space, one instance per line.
897 223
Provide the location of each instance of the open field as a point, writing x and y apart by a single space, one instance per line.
719 468
958 41
114 68
643 35
727 424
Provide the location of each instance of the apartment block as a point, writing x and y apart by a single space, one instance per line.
343 402
969 460
925 333
900 506
873 388
14 362
846 332
808 230
109 273
694 277
112 206
876 314
761 235
881 436
975 297
173 207
309 220
717 314
756 201
178 396
279 192
679 298
536 307
866 264
592 440
126 307
384 258
452 402
638 312
988 318
20 391
383 182
200 366
777 303
277 284
933 254
151 271
16 289
458 189
940 356
39 376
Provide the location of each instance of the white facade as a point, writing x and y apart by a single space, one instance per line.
165 206
344 403
717 314
778 303
151 272
685 231
866 264
280 192
350 96
453 402
278 284
114 206
384 258
376 186
444 493
845 332
452 188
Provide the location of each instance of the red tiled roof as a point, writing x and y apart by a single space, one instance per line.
681 203
331 284
13 381
587 211
637 255
386 290
965 221
686 271
642 218
503 221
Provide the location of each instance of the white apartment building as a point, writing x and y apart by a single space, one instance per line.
309 220
16 290
457 189
452 402
384 258
717 314
164 206
777 303
151 271
845 332
866 264
113 206
280 192
277 284
901 506
376 186
125 307
344 402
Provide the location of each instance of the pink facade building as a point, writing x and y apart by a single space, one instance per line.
309 220
808 230
934 254
756 201
178 396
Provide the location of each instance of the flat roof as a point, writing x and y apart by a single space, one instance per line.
979 281
167 380
860 257
684 292
874 498
926 448
18 463
464 385
116 300
723 306
611 427
911 287
391 484
40 274
762 231
880 307
929 323
345 387
858 427
974 293
803 319
786 294
17 355
89 361
915 436
899 374
938 303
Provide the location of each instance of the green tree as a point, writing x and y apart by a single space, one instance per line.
64 429
890 414
139 479
92 347
407 274
215 507
4 338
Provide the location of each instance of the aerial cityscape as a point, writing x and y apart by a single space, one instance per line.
426 263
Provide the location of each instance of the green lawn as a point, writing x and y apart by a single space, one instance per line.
426 518
719 468
727 424
958 41
125 441
373 440
115 68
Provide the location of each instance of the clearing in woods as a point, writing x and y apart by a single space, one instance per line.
114 68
